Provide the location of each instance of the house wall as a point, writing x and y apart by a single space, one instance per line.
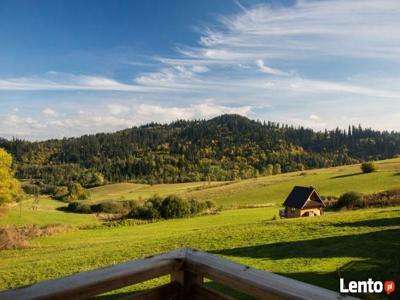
315 211
296 213
292 212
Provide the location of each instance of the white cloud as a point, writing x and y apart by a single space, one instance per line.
63 81
268 70
269 62
117 109
205 110
50 112
314 117
315 124
110 117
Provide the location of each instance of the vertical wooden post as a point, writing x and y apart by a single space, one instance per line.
186 279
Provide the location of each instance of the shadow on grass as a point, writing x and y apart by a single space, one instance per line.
66 210
385 243
377 255
347 175
372 223
355 270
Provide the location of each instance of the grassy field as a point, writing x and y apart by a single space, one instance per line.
129 191
361 244
262 190
47 212
358 244
270 189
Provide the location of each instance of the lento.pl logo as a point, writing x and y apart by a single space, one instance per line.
370 286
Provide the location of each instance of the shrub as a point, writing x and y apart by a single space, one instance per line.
154 202
109 207
277 169
130 204
60 192
381 199
47 189
30 188
351 200
79 207
76 192
168 208
210 204
145 213
368 167
14 237
11 238
196 206
394 192
38 188
174 207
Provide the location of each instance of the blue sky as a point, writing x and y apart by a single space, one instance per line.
75 67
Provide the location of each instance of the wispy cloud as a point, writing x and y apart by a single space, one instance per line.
269 62
354 28
268 70
63 81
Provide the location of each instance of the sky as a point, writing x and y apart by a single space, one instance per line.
69 68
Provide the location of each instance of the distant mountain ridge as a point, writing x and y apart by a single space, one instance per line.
227 147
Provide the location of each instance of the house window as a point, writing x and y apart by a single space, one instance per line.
292 209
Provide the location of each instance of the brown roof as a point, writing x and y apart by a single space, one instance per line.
299 195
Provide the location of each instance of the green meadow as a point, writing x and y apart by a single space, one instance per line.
46 212
270 189
359 244
355 244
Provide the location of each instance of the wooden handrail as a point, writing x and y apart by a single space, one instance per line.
86 284
254 282
188 268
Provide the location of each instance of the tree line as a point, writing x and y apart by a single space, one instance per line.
228 147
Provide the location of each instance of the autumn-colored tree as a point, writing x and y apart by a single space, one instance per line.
10 188
76 192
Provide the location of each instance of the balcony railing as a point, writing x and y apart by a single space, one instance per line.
187 268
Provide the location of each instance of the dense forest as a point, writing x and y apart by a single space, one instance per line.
227 147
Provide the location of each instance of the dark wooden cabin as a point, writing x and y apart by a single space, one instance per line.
303 202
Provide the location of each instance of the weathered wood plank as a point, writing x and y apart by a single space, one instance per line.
200 292
259 284
186 280
169 291
91 283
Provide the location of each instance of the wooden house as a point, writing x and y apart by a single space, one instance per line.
303 202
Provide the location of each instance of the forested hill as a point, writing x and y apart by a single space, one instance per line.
224 148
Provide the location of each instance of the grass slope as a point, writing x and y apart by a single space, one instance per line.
46 213
128 191
270 189
361 244
262 190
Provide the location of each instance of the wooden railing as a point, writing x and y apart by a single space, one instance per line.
187 268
